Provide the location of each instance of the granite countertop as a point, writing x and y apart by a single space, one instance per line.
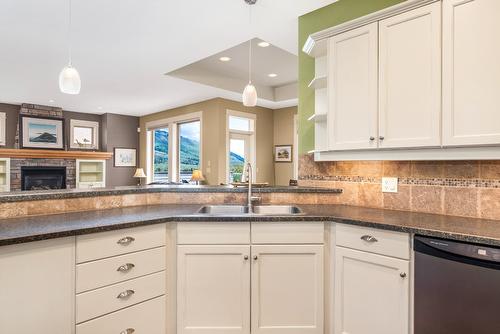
18 196
19 230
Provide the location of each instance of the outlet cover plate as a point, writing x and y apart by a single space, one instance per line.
389 184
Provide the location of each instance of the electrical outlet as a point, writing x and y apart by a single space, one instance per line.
389 184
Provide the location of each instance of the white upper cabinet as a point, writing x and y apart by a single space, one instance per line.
410 79
471 72
352 88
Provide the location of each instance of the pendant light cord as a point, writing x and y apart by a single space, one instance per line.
250 48
69 32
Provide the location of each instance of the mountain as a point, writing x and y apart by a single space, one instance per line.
44 138
190 152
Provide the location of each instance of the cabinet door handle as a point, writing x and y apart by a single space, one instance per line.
245 257
125 241
381 137
372 138
255 257
369 238
125 267
402 275
128 331
125 294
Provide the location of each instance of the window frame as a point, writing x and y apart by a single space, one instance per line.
172 123
252 140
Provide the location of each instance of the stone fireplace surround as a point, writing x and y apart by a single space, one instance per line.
16 164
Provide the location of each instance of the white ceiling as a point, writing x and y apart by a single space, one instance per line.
232 75
122 48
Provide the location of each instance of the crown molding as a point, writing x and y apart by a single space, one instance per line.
315 45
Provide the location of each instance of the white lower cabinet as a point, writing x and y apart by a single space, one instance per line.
213 289
271 288
287 289
371 291
144 318
37 287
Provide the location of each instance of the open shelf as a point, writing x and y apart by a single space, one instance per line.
318 82
317 118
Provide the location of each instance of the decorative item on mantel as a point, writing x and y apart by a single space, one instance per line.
139 174
197 176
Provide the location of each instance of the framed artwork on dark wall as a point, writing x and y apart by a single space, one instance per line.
125 157
41 132
84 135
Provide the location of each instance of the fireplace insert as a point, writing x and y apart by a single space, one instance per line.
43 178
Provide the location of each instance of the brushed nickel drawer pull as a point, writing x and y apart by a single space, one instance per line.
128 331
126 267
369 238
125 241
125 294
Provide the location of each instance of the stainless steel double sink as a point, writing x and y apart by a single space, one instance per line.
265 210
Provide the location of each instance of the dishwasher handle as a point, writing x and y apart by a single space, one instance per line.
474 254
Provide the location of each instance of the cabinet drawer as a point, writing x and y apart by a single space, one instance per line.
212 233
288 233
377 241
97 246
96 274
147 318
98 302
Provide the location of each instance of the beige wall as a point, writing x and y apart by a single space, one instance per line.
283 135
213 137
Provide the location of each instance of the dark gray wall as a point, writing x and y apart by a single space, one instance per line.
119 131
12 113
115 131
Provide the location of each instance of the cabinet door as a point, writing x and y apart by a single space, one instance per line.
37 287
287 289
213 289
471 72
371 293
410 78
352 89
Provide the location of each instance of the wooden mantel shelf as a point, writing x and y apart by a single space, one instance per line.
53 154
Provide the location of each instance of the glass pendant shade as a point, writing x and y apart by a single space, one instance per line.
250 96
69 81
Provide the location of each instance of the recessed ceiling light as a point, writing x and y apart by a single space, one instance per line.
100 108
224 59
272 75
263 44
51 101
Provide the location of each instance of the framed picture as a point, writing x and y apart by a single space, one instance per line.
125 157
283 153
41 132
3 129
84 135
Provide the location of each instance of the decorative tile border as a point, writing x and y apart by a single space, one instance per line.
445 182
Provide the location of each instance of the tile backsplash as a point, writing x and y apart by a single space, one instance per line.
459 188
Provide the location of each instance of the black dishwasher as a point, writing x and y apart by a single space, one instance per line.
457 287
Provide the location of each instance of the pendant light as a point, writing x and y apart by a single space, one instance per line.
250 93
69 78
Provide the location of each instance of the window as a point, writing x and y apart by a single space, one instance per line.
241 144
160 155
174 148
189 149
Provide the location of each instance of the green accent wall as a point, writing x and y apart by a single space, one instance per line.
331 15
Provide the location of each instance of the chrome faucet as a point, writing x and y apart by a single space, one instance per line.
250 198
